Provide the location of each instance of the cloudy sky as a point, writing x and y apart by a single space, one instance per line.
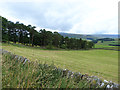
71 16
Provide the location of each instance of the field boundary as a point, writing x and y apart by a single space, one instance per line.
107 49
67 73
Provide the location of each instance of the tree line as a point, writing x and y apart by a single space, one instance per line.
27 35
103 39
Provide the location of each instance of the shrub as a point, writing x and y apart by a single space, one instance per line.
63 46
50 46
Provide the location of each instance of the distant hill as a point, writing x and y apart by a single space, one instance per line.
106 35
89 36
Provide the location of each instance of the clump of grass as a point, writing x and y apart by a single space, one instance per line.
15 74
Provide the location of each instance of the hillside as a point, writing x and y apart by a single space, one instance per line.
83 61
19 72
89 36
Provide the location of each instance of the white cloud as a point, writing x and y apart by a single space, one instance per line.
101 17
73 16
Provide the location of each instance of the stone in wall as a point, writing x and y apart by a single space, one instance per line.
69 74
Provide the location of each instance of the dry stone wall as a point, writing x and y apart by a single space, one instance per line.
94 80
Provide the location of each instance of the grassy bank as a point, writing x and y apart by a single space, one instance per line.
15 74
101 63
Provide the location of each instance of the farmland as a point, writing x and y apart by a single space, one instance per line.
101 63
107 45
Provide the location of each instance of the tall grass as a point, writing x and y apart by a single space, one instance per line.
15 74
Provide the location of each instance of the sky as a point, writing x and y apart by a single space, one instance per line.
69 16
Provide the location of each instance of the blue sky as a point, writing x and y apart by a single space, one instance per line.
71 16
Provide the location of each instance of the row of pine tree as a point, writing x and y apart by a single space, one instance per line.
27 35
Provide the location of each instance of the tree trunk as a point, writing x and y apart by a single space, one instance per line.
32 40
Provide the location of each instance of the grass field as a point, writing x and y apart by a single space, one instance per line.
102 63
105 44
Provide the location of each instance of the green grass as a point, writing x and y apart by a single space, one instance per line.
105 44
33 75
101 63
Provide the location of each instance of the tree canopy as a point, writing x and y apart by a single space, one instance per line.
27 35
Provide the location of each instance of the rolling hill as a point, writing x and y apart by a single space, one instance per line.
89 36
